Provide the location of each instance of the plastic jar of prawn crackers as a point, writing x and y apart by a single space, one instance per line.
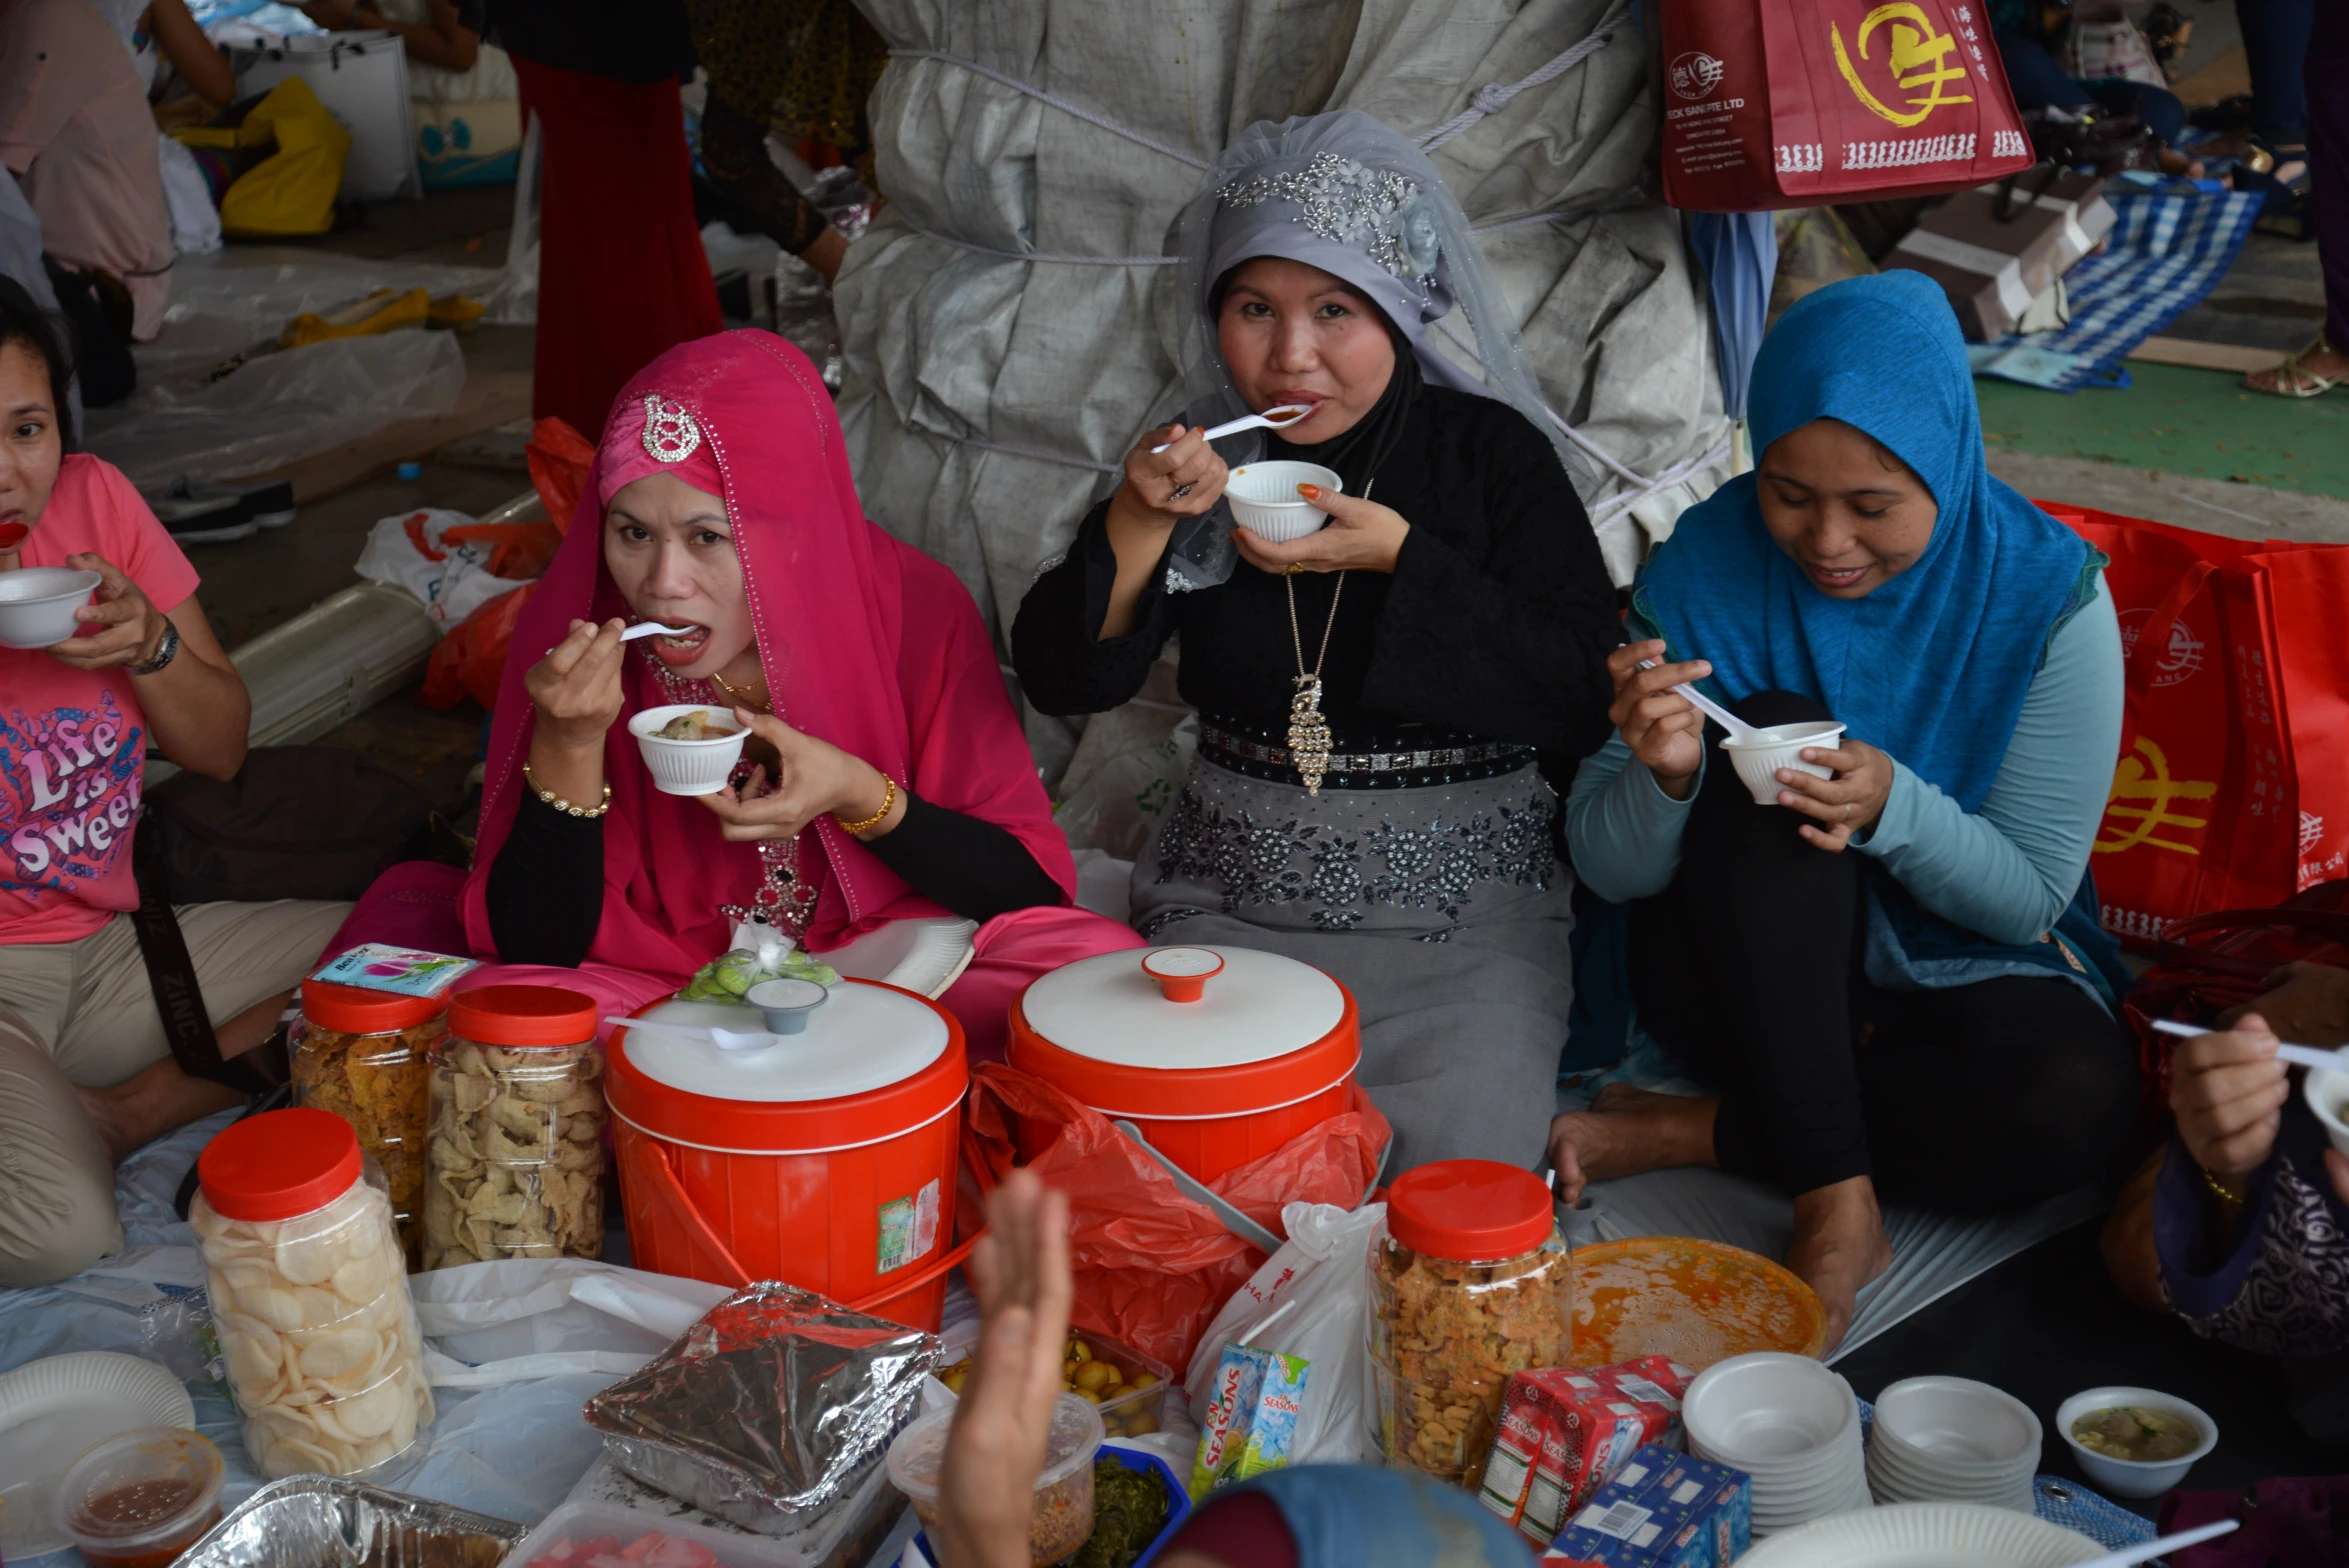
1469 1282
309 1294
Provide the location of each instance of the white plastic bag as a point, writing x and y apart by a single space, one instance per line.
521 1318
450 579
1311 1299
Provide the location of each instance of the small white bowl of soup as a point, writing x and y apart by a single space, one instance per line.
689 747
2135 1442
2327 1095
1264 498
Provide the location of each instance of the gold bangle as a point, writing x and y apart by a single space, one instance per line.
564 806
2218 1189
888 804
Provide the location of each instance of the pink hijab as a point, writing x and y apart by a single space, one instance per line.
865 642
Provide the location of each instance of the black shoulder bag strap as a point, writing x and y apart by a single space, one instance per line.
179 998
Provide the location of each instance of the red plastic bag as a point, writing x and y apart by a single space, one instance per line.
1810 103
1152 1266
517 550
2232 790
471 661
560 459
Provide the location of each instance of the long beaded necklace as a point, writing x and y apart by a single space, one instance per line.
1309 736
786 899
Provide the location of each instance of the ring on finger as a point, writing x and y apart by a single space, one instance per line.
1183 489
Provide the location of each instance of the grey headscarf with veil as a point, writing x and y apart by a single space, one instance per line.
1348 194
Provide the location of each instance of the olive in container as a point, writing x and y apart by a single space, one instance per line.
363 1055
140 1499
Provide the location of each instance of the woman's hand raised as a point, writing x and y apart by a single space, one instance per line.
576 687
1361 536
1163 488
812 778
1846 804
1662 728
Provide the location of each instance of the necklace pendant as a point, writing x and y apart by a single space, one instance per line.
1309 737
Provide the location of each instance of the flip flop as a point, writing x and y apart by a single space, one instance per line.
2295 379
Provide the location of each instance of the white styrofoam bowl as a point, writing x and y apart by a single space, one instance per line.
1264 498
686 767
1769 1410
37 605
1779 746
2327 1095
2134 1477
1958 1427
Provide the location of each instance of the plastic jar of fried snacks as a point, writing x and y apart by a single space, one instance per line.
310 1297
361 1054
1469 1282
517 1140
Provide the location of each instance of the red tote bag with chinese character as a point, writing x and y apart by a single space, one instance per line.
1803 103
2232 787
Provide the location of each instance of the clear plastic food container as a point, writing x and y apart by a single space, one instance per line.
140 1499
1469 1282
310 1296
517 1140
362 1055
1127 1386
1062 1520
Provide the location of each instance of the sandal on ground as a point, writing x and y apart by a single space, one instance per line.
2295 379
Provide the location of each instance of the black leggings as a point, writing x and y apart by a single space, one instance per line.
1748 967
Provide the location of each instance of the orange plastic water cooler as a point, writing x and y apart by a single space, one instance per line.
826 1160
1218 1055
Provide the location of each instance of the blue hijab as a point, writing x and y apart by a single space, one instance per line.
1932 667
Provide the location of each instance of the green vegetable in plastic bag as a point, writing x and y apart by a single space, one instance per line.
726 977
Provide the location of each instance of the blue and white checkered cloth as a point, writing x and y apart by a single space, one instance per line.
2174 241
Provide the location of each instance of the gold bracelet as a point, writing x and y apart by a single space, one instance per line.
564 806
888 804
2218 1190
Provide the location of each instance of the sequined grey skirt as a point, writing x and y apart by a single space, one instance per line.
1445 910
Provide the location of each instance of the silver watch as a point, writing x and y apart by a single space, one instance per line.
165 652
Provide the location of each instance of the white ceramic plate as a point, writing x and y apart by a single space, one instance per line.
51 1413
1925 1535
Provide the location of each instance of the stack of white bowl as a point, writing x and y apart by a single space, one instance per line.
1949 1439
1789 1423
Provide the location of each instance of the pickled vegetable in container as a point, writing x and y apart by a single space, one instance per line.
310 1296
362 1055
517 1130
1469 1282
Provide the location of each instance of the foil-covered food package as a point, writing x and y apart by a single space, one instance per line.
776 1406
316 1521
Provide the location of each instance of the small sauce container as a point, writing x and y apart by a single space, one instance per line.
141 1499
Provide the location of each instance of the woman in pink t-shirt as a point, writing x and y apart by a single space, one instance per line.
85 1070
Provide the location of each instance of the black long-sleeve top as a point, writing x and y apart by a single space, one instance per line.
1496 621
546 889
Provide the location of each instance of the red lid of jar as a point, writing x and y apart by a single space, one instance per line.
279 1164
523 1015
354 1009
1470 1211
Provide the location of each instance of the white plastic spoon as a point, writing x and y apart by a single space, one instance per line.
723 1039
1738 728
1295 411
652 629
2149 1550
2298 1055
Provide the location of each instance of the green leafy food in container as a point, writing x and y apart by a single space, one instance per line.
1129 1511
726 977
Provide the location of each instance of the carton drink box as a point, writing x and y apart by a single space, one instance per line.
1565 1432
1251 1417
1663 1510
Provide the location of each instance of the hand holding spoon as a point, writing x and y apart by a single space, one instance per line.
2298 1055
1738 728
1271 419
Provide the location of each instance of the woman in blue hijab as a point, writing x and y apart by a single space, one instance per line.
1895 975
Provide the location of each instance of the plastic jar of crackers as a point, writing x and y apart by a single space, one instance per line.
361 1054
310 1297
517 1139
1469 1282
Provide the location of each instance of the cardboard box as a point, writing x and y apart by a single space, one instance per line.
1994 250
1251 1417
1663 1510
1564 1433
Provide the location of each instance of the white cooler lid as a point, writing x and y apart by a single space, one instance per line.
1258 1007
865 1037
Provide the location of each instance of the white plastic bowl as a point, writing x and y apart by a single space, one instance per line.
2327 1095
1768 1410
687 767
2134 1477
1958 1427
1264 498
37 605
1779 746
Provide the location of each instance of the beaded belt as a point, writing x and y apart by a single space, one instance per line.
1395 766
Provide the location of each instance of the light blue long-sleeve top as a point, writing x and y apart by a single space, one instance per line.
2006 872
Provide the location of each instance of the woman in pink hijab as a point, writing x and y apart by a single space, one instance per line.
886 776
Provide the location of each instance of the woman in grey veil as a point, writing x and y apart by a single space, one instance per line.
1376 698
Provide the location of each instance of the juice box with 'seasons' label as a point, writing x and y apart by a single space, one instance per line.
1664 1510
1564 1432
1252 1416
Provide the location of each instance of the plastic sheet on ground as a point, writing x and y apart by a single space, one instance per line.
234 299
